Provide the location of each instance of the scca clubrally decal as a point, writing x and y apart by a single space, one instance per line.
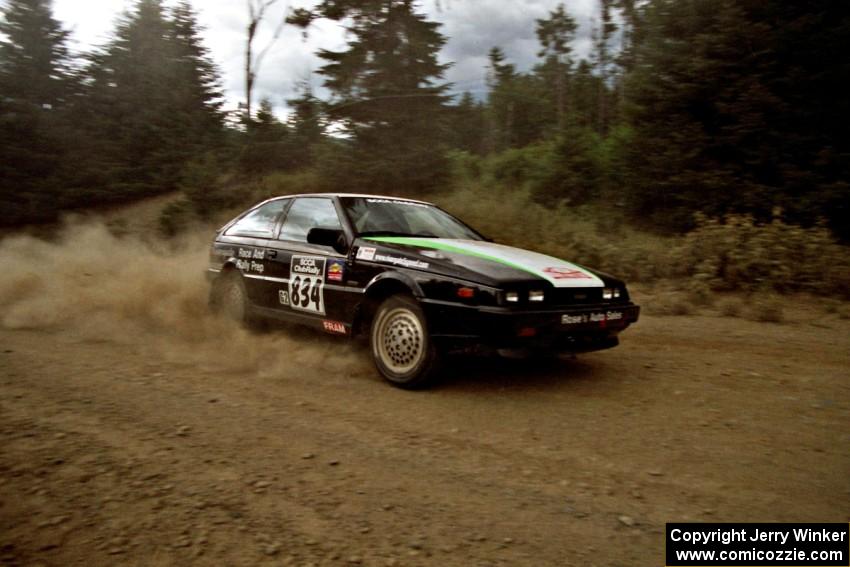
307 284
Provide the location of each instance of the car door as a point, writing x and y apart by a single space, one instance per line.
309 279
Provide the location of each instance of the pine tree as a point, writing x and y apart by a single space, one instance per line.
130 108
387 96
153 101
196 85
556 35
469 125
267 144
34 87
736 107
307 126
519 110
585 92
602 61
34 59
501 103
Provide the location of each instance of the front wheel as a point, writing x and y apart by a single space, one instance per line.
402 349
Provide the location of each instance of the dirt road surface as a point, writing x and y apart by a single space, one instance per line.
137 430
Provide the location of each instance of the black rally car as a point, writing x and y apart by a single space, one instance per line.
417 280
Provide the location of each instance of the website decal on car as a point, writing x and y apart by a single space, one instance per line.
307 284
558 272
403 262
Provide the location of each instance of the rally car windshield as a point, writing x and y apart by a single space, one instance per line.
390 217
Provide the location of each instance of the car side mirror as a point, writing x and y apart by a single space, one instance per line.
332 237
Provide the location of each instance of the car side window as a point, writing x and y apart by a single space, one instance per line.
260 222
307 213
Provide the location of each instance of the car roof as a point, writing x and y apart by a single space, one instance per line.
359 195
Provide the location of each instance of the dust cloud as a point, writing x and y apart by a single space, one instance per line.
95 286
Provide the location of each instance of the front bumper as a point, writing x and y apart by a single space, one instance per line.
564 329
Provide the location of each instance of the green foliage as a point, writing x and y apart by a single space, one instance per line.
733 107
519 110
572 172
387 96
465 166
34 60
269 145
307 126
152 129
519 167
737 253
121 128
35 85
467 128
205 186
718 107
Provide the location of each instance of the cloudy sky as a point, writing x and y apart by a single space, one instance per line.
471 26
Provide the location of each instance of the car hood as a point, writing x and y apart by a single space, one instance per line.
477 260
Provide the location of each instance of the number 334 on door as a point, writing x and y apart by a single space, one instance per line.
306 284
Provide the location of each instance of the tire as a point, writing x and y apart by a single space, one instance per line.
230 299
402 349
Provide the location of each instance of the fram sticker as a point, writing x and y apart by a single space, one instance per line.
334 327
566 274
365 253
283 296
336 271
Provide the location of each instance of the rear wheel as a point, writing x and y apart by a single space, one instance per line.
401 347
230 299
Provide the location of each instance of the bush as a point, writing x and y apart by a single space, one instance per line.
517 167
736 253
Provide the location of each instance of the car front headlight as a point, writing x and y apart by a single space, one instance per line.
512 297
610 293
536 295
